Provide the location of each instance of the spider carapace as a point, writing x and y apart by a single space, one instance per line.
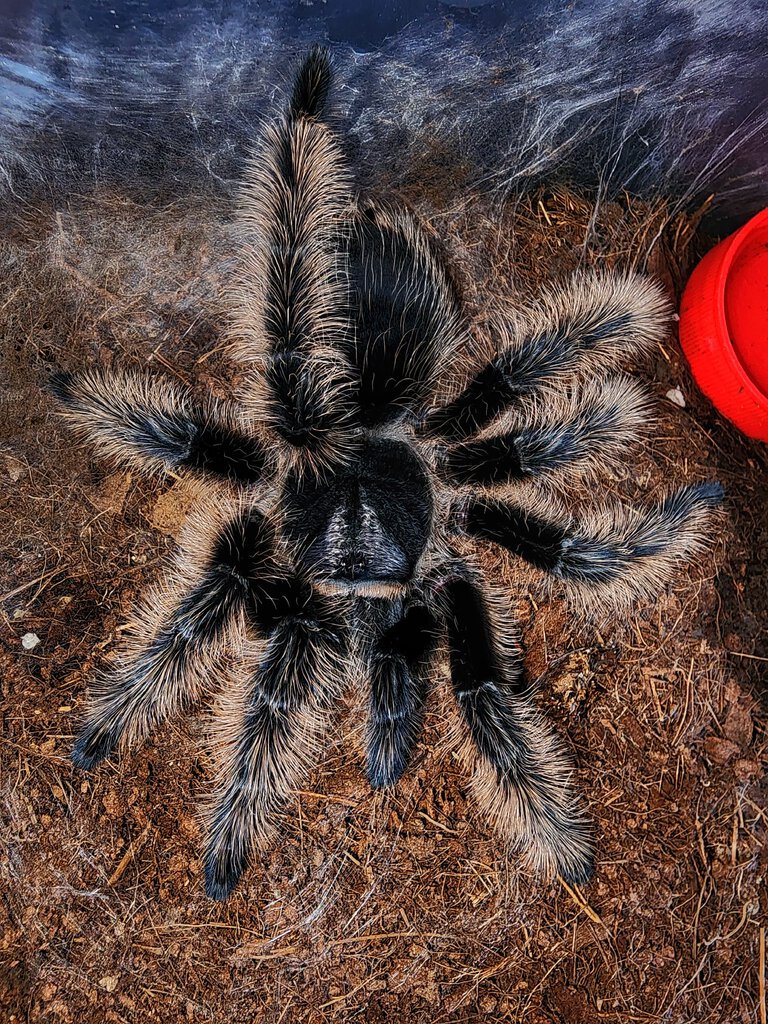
363 456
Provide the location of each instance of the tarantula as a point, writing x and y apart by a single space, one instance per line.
341 491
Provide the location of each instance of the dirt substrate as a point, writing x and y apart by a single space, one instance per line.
369 907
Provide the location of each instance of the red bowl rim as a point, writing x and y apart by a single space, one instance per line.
732 247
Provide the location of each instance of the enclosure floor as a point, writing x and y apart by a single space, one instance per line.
368 907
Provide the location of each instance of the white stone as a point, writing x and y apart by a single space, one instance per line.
676 395
30 641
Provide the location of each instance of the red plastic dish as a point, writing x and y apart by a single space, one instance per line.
724 326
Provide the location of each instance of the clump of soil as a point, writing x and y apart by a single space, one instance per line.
369 907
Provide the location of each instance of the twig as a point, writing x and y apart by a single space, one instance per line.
275 954
25 586
688 701
345 995
127 857
581 903
443 828
376 936
743 654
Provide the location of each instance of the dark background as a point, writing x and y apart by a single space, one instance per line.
641 95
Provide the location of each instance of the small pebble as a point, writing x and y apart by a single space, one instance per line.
30 641
676 395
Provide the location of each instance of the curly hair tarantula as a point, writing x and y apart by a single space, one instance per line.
341 491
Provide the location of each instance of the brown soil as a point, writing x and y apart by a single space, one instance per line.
369 907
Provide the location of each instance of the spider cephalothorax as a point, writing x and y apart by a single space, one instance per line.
357 460
365 524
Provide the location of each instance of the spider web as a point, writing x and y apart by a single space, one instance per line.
649 96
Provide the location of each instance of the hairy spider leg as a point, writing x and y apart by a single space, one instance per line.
523 779
590 324
405 316
590 428
271 724
169 660
152 423
312 84
618 552
290 296
397 656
